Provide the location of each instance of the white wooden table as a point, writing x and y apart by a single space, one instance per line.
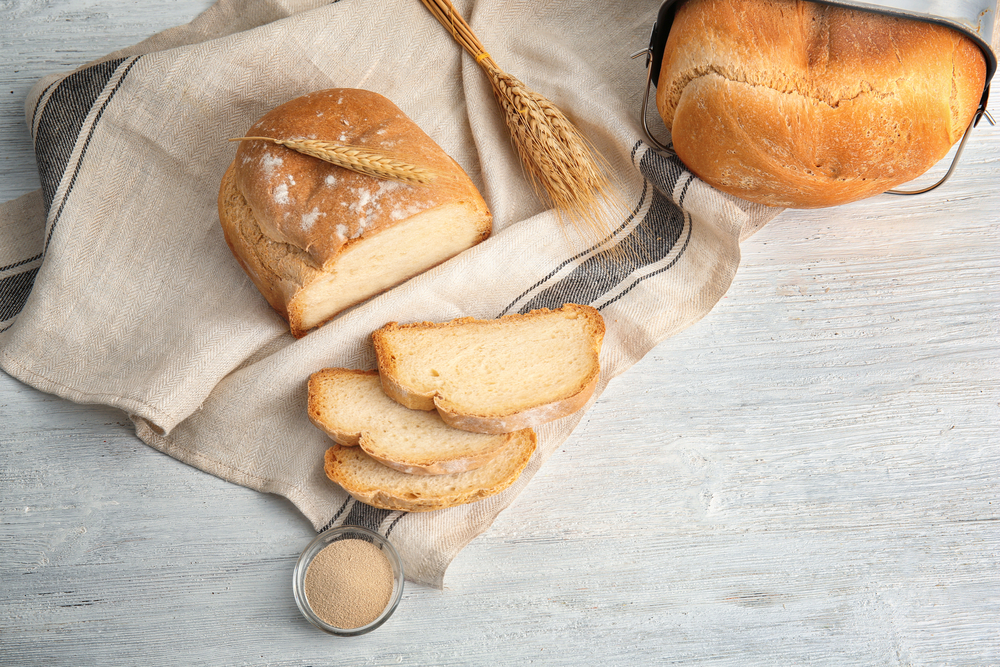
816 461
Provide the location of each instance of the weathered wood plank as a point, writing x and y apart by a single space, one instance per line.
806 476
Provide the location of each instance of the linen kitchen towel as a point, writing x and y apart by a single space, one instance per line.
117 287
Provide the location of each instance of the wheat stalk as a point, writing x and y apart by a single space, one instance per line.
356 159
562 165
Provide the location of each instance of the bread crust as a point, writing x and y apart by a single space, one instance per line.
800 104
434 467
319 207
500 420
278 270
290 218
340 466
452 414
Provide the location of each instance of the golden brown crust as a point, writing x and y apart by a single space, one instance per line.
793 103
276 269
446 467
502 419
317 408
341 464
318 207
453 416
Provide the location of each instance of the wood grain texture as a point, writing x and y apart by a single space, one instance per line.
809 475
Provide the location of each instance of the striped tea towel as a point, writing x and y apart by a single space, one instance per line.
117 288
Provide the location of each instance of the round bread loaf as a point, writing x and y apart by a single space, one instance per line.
800 104
317 238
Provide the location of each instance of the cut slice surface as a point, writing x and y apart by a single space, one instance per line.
374 263
494 376
350 407
380 486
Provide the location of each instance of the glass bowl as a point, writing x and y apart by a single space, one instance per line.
325 539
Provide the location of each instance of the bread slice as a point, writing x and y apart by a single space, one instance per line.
380 486
494 376
316 238
350 407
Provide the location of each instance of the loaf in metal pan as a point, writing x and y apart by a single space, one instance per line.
801 104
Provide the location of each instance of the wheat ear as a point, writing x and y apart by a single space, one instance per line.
562 165
357 159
